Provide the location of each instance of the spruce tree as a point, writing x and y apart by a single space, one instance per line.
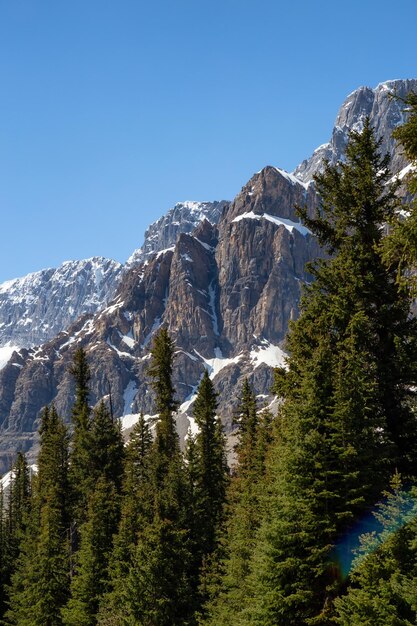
227 577
383 583
40 584
401 246
384 570
90 579
157 586
210 467
136 513
208 477
13 521
80 477
346 422
247 421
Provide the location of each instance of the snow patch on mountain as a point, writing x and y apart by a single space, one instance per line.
279 221
271 355
6 354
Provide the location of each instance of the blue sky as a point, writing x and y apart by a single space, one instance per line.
112 111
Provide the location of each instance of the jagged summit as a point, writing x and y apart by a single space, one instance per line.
385 113
38 306
182 218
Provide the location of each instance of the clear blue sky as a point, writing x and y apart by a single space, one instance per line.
112 111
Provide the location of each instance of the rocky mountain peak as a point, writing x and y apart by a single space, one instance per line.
271 191
182 218
385 112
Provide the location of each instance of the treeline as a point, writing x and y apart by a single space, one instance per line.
316 524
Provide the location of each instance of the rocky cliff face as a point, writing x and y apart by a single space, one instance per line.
385 113
226 287
37 307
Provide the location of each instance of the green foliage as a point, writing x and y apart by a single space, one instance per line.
106 449
80 445
226 578
401 245
345 422
210 468
377 595
103 484
154 586
135 515
40 584
13 521
90 581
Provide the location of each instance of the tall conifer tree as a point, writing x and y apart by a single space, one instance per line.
346 421
91 576
40 584
80 445
227 579
158 587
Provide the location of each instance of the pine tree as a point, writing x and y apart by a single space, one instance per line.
227 576
135 515
383 583
157 585
106 449
208 478
346 421
91 580
401 246
247 422
80 477
13 521
160 371
40 584
210 467
91 577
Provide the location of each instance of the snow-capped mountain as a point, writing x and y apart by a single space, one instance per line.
35 308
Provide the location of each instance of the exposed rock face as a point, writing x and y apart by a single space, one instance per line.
35 308
385 113
225 292
261 260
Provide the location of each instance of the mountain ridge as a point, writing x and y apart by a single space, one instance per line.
226 290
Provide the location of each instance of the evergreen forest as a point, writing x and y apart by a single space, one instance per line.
315 524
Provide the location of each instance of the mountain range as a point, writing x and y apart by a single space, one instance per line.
224 277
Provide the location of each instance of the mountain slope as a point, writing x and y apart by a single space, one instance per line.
35 308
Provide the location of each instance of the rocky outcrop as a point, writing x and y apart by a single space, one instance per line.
37 307
385 113
262 252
